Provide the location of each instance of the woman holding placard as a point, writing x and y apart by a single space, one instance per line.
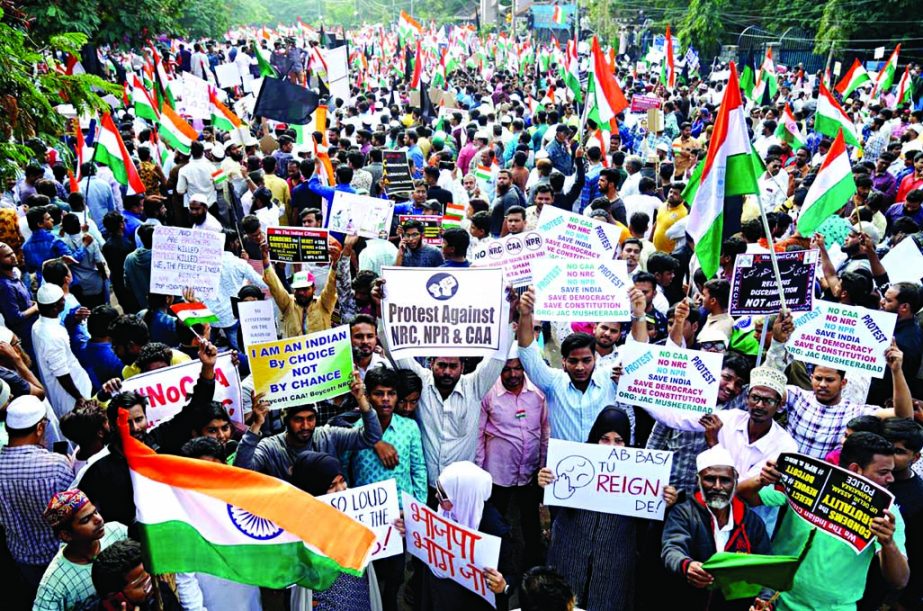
597 552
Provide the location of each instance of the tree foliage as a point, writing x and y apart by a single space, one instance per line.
30 88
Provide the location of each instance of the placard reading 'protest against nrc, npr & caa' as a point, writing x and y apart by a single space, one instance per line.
443 311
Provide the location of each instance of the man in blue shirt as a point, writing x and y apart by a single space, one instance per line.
37 248
96 193
16 305
559 152
414 154
344 176
413 252
577 394
455 243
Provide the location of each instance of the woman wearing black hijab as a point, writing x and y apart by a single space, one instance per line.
597 552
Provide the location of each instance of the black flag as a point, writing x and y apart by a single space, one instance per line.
426 104
283 101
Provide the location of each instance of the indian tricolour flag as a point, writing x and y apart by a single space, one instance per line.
557 16
728 170
175 131
407 28
788 130
852 79
111 151
904 88
830 191
885 78
669 65
830 118
219 177
141 100
223 117
609 100
572 72
193 313
240 525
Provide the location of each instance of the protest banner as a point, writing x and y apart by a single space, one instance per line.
574 236
754 289
182 258
257 321
227 75
643 103
432 226
361 215
435 312
297 244
843 337
661 377
168 389
397 173
194 98
904 262
376 507
836 501
610 479
581 291
514 253
450 549
304 369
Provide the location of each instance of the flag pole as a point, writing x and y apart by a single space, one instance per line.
772 254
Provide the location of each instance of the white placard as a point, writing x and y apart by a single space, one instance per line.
195 101
374 506
581 291
228 75
514 253
168 389
443 311
904 262
449 549
843 337
574 236
257 321
609 479
879 52
367 217
186 258
660 378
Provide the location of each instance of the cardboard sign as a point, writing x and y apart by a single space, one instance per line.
574 236
228 75
754 289
376 507
450 549
836 501
297 244
184 258
608 479
195 102
168 389
660 377
367 217
904 262
843 337
257 321
397 173
304 369
642 103
581 291
432 227
514 253
443 311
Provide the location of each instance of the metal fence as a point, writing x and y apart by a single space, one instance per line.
792 47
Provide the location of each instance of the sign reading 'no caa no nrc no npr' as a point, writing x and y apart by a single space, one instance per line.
443 311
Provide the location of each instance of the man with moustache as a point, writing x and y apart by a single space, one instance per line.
713 520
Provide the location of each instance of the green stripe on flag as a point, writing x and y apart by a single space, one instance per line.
826 205
177 547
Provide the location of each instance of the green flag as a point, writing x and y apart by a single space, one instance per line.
745 575
266 68
746 82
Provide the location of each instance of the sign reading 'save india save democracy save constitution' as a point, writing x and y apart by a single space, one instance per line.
843 337
443 311
659 377
581 291
303 369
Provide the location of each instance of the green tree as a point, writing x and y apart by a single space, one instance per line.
30 88
702 26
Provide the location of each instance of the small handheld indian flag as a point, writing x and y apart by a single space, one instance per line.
193 313
219 176
558 15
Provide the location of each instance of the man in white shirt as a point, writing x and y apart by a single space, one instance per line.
65 379
199 215
195 178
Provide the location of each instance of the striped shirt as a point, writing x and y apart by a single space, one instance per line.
29 476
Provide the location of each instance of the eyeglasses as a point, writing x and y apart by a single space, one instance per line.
767 401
